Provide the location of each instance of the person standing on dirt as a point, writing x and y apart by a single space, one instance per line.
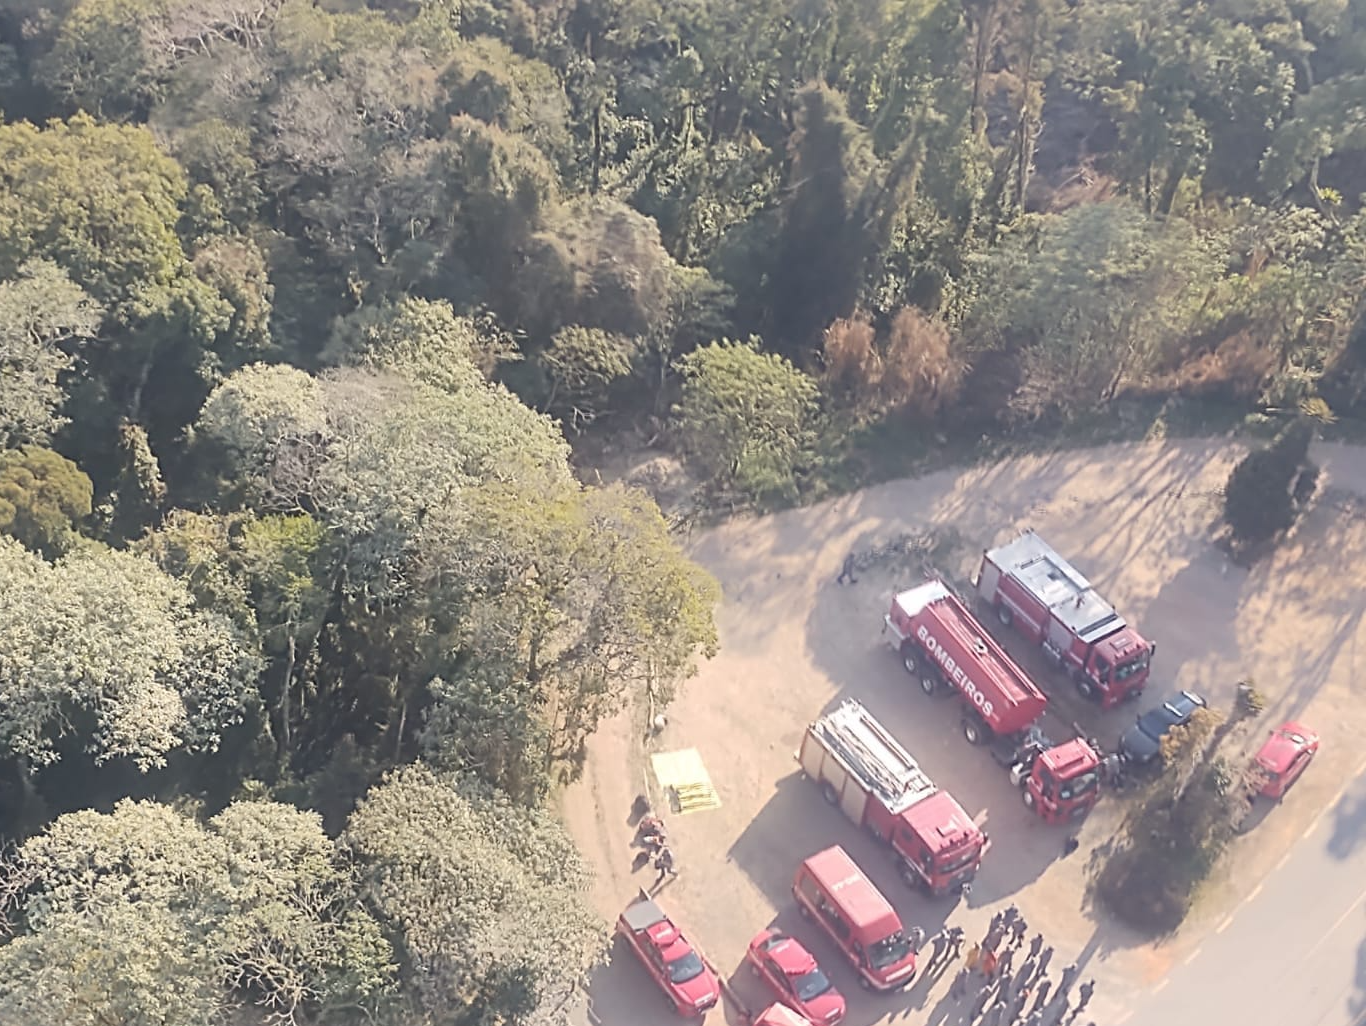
989 964
974 956
847 571
1004 982
1007 959
1045 957
1018 929
664 862
979 1003
1084 992
1017 1003
955 939
1041 995
1069 977
959 986
1035 945
917 939
938 944
994 937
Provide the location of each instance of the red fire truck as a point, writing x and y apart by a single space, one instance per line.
943 646
865 771
1032 587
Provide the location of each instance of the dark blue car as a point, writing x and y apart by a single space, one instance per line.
1143 741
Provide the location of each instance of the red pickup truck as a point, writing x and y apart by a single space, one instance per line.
679 969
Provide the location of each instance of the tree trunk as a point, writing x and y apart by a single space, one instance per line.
140 385
1026 138
286 737
1175 174
597 150
981 56
402 724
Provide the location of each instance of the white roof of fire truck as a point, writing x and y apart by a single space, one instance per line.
1058 585
874 756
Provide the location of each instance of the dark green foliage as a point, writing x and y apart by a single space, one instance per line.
818 259
1264 493
44 497
745 418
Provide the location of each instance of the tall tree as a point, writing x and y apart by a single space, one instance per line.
820 250
745 417
105 203
44 317
421 841
106 646
143 915
43 499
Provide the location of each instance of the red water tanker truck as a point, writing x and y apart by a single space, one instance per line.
947 651
1044 597
865 771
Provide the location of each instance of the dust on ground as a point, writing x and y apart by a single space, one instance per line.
1140 521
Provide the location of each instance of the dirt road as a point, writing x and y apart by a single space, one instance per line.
1139 520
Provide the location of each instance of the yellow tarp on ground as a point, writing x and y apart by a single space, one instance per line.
685 780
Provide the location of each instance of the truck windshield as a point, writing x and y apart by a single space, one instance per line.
956 860
889 950
689 967
1126 670
1078 786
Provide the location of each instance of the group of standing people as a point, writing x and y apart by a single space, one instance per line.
1004 992
652 837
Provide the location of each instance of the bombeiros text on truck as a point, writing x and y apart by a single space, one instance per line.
874 781
1046 599
947 651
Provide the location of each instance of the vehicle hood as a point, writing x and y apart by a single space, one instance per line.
700 988
1138 744
827 1008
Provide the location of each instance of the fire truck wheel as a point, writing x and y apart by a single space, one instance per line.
831 795
1085 688
909 877
908 659
1004 614
863 982
928 684
972 732
803 911
1028 798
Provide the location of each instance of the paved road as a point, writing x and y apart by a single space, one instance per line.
1294 952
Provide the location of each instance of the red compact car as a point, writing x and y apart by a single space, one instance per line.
1284 756
794 977
678 968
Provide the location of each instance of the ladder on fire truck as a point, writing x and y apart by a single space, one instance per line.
876 756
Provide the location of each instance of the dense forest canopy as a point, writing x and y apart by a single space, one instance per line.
306 305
